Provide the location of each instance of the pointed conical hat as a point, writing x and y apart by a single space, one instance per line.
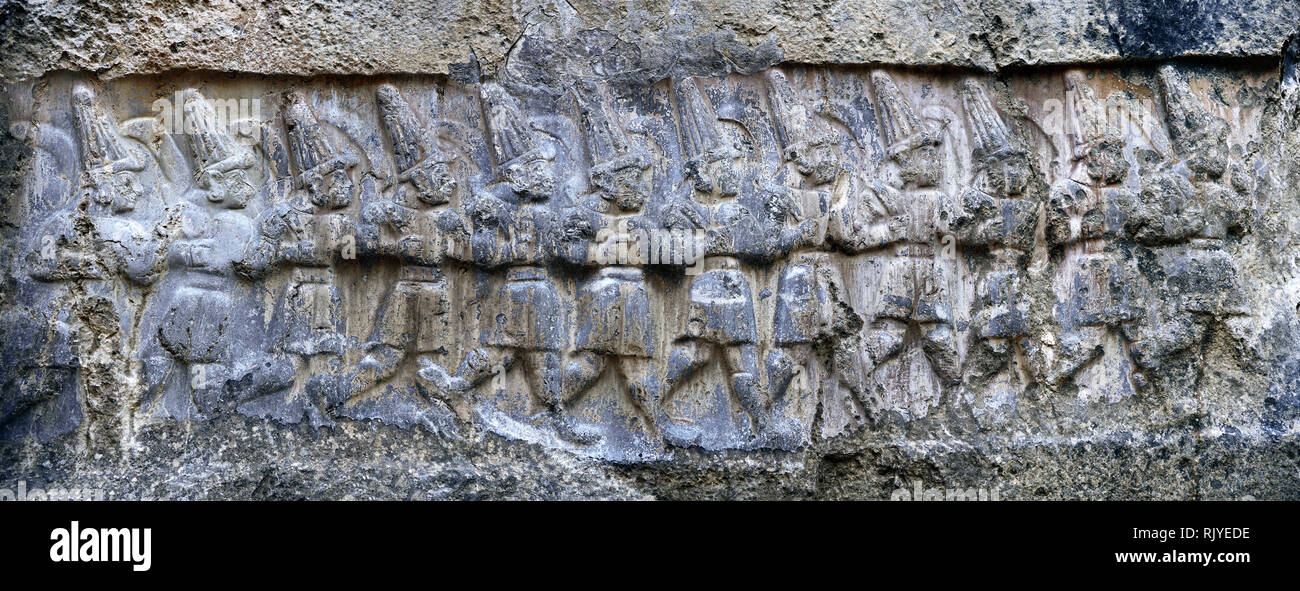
902 129
990 137
697 125
1188 119
1089 112
308 143
411 145
512 137
210 142
796 124
607 145
99 139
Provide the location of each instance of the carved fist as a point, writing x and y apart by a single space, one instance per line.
577 227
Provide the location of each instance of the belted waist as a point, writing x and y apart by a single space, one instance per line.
421 273
525 273
313 275
621 272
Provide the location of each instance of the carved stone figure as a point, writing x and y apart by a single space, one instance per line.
812 307
610 231
302 232
996 219
417 226
1187 215
190 351
794 258
905 224
109 187
720 321
1096 293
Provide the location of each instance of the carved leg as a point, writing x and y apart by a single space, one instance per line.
789 376
322 389
940 346
643 389
886 342
379 364
846 363
782 365
581 370
157 367
1077 349
545 379
742 364
689 356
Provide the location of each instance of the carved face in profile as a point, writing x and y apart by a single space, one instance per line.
817 161
1007 176
1208 150
116 191
533 179
435 184
230 189
921 166
332 191
1105 161
627 186
714 176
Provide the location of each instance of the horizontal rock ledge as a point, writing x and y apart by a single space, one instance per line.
654 38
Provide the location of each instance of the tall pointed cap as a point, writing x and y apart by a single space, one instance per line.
411 144
210 142
1088 111
607 144
100 142
308 143
796 124
903 131
512 137
1192 128
697 125
990 137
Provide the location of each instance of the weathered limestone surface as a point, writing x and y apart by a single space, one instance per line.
640 250
653 38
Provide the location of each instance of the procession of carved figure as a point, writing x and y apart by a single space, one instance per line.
190 359
416 226
996 220
301 233
809 241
